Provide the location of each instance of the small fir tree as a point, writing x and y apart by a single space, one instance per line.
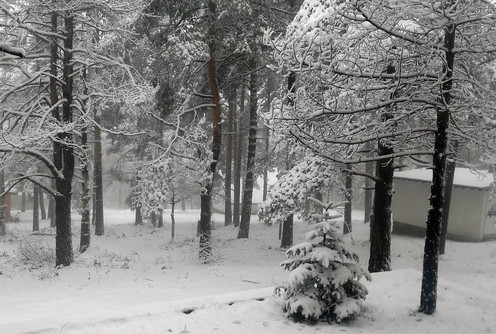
323 283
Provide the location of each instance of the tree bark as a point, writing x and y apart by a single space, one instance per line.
64 156
36 209
380 223
23 201
270 89
160 220
428 294
244 226
206 194
84 241
173 219
3 228
53 100
347 225
98 177
138 218
41 200
85 237
153 219
448 189
287 232
238 144
228 164
369 193
51 207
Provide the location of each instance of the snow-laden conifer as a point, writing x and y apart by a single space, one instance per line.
323 283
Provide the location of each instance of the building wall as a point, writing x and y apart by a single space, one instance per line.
490 222
467 216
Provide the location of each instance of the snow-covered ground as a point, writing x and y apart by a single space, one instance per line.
133 280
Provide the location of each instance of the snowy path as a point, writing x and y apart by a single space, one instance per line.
390 308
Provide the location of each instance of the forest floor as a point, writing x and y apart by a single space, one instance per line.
134 280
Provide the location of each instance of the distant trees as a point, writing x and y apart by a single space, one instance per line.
46 103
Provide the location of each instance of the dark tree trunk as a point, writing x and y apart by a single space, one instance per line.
183 205
64 157
206 196
448 189
228 164
36 209
369 193
98 178
41 200
153 219
51 208
138 218
173 219
270 89
84 242
3 228
347 226
238 145
23 201
380 223
93 208
85 237
160 221
244 226
287 232
53 101
428 294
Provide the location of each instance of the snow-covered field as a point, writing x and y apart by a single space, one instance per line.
133 280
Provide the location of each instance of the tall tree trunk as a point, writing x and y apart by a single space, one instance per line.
41 200
287 232
51 207
380 223
84 241
369 193
53 100
138 218
64 156
428 294
228 164
238 144
160 220
244 226
206 195
153 219
23 201
3 229
286 229
36 209
347 226
448 189
173 219
98 177
270 89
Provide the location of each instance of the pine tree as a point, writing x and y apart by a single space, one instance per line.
324 279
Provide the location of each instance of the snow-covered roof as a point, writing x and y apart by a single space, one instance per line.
464 177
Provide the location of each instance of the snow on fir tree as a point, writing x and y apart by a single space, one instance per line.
288 195
323 283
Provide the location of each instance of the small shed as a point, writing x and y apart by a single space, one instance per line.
469 218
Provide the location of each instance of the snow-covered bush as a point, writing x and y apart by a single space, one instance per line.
323 283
